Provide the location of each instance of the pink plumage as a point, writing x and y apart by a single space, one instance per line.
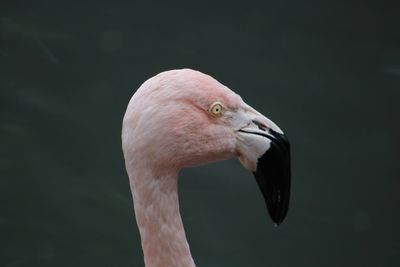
182 118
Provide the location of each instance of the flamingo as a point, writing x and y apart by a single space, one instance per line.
183 118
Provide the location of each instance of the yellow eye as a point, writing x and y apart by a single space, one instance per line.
216 109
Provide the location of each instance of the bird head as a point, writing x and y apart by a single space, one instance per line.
183 118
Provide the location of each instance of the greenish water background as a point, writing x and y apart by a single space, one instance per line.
327 72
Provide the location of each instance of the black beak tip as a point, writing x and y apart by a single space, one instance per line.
273 176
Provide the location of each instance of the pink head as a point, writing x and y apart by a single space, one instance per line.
182 118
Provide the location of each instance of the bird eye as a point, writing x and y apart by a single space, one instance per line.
216 109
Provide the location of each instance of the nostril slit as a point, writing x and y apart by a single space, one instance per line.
260 125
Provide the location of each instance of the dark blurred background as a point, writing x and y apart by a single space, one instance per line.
328 72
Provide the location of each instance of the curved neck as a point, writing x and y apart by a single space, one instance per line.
157 214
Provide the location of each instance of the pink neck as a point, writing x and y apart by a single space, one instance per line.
157 214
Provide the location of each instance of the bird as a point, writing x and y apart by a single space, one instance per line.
182 118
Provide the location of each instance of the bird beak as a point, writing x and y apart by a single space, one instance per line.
264 150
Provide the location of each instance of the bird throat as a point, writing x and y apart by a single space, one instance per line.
158 217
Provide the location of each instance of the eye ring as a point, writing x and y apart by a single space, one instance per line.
216 109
